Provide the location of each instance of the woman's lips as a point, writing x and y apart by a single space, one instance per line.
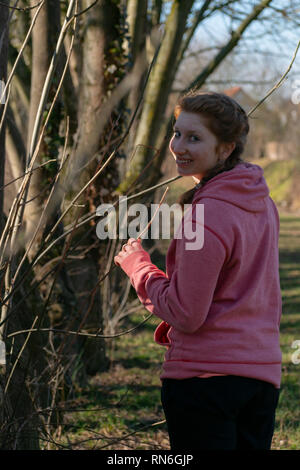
183 161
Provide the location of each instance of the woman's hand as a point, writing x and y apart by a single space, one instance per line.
131 246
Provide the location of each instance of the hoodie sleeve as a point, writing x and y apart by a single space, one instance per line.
184 300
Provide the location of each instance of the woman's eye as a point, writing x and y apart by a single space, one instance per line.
193 138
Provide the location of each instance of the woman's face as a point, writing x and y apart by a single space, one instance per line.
194 147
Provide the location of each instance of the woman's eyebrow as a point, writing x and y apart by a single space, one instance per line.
189 131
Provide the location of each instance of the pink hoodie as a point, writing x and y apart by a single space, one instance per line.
221 304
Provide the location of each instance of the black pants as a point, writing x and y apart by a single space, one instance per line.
221 412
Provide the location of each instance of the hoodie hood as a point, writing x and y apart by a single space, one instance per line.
244 186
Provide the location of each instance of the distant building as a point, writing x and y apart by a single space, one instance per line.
276 150
237 93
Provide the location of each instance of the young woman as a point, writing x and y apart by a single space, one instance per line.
221 303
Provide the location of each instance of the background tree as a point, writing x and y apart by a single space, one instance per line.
4 29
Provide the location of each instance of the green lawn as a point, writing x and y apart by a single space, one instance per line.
287 432
121 408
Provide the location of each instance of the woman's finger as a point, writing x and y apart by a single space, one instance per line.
131 241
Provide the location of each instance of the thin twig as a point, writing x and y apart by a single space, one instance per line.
22 49
123 138
79 333
149 223
13 210
52 67
94 214
63 158
16 212
111 156
19 355
85 10
157 423
20 8
26 172
91 217
278 84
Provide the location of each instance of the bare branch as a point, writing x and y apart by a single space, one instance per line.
111 156
80 333
20 8
235 38
278 84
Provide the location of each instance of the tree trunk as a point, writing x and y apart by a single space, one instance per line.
156 12
40 63
100 34
157 91
138 25
17 415
26 381
100 29
4 28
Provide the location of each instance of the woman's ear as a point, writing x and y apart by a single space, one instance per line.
226 150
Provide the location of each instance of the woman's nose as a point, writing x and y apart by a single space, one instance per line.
177 146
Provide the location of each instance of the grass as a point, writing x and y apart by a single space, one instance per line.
287 431
120 408
279 175
124 401
282 177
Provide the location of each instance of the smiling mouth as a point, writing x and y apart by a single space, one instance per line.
182 161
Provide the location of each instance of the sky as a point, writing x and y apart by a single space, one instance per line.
276 40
